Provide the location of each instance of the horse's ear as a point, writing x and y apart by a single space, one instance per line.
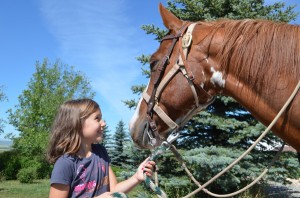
170 20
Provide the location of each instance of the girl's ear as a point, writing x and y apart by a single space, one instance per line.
170 20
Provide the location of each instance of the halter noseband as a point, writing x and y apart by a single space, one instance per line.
160 83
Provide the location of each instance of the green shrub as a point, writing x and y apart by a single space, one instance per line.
27 175
10 164
43 168
176 186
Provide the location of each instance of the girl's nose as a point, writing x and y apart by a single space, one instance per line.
102 123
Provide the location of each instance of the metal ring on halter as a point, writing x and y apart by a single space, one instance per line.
152 141
168 58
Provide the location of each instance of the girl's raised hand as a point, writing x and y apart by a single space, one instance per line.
146 166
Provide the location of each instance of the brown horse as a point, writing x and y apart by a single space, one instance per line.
257 62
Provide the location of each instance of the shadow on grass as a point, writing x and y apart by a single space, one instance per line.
279 191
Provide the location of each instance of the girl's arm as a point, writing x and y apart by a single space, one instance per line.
59 191
129 184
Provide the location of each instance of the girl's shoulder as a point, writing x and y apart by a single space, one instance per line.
63 170
66 159
100 150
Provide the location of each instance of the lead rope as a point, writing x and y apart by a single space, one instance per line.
119 195
202 187
149 183
155 154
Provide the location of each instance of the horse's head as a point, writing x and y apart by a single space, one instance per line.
180 84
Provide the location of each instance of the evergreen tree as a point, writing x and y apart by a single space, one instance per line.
225 123
108 140
120 137
106 136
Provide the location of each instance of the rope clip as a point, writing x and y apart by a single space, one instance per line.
171 138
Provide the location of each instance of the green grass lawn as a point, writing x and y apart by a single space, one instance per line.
38 189
14 189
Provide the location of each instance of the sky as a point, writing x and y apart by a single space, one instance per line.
102 39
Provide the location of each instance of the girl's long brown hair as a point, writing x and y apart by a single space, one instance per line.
66 131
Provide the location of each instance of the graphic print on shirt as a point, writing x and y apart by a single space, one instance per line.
84 186
104 180
102 174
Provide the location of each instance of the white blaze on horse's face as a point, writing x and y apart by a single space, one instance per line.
137 123
217 78
135 115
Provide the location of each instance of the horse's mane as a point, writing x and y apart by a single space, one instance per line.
260 51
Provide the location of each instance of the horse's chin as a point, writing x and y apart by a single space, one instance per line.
144 142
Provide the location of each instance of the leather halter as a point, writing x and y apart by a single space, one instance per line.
160 83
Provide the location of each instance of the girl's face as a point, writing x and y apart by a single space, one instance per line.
92 130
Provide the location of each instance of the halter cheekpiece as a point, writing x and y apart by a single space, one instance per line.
161 81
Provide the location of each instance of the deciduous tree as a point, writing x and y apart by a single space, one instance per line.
49 87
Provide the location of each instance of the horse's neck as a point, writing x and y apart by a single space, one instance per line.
265 107
249 99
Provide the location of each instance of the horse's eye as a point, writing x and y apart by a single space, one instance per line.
153 64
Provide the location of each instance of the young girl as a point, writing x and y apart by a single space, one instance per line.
82 167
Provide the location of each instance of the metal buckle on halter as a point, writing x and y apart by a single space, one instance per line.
186 40
189 76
